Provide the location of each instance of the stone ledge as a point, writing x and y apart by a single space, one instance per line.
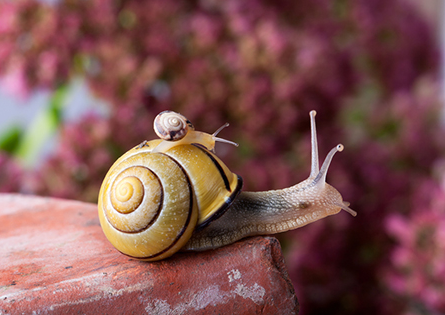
54 258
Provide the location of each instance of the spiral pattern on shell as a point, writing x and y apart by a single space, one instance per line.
171 126
134 213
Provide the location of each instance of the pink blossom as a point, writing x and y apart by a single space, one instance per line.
15 83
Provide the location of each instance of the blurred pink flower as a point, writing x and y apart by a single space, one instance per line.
417 270
11 174
14 82
8 17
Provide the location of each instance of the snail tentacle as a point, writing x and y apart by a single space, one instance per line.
314 146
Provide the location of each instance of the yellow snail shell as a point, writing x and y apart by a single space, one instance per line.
150 203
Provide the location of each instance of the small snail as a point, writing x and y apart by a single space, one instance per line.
175 194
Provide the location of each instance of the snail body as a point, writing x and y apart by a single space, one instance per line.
175 194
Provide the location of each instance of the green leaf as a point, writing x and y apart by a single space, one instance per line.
10 139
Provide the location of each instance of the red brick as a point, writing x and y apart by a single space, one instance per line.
54 258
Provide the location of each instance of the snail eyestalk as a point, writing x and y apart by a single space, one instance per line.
324 168
314 146
220 128
226 141
221 139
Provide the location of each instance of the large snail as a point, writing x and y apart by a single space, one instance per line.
175 194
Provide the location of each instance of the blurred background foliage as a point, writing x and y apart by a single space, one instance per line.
369 68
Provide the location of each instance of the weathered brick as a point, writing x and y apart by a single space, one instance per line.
54 258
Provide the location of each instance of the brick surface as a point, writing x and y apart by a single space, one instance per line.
54 259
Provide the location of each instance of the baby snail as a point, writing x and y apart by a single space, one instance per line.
174 194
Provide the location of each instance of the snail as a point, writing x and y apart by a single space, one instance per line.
174 194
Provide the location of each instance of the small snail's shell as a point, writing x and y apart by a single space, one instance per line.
171 126
150 203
